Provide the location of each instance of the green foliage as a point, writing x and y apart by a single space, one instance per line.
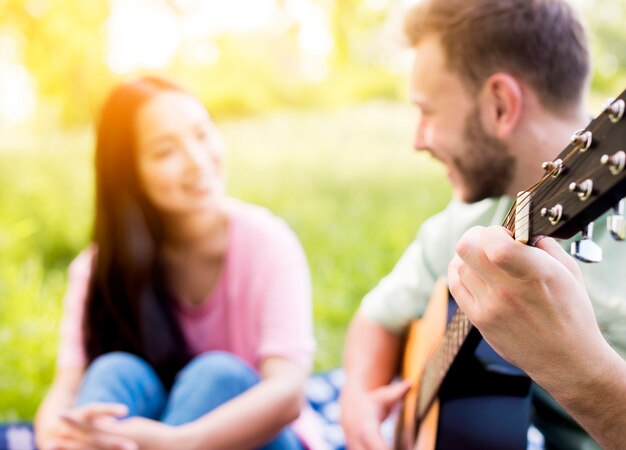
62 45
29 314
248 80
42 204
608 39
346 180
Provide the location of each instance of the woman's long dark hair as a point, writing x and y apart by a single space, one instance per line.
128 306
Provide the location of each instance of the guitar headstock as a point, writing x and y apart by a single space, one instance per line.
586 179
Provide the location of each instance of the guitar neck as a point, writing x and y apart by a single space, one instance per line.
436 370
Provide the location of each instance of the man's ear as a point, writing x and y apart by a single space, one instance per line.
502 103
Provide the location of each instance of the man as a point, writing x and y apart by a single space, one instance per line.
500 86
493 278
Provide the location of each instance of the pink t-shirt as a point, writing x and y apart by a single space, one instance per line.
260 306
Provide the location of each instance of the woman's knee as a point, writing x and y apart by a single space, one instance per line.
208 381
221 367
119 377
118 363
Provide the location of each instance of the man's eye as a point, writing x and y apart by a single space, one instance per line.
163 152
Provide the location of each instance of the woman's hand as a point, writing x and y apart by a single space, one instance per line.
147 434
78 428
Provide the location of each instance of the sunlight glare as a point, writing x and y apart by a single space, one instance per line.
377 5
141 34
315 37
147 34
17 96
212 17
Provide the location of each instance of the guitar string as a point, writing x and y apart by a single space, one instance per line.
568 202
546 192
557 186
539 200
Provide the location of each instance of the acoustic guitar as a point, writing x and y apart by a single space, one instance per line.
585 180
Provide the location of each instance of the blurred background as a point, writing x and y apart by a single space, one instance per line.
311 98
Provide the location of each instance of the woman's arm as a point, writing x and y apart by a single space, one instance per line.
59 398
59 425
255 417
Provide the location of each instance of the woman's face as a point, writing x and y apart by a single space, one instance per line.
179 154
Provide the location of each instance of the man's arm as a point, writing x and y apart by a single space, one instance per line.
531 305
371 361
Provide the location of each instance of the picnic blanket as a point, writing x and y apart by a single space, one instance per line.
322 391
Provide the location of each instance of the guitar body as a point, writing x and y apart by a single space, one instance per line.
424 337
483 402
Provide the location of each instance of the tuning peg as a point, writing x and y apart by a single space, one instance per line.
616 162
553 167
553 214
615 222
585 249
582 139
582 189
615 109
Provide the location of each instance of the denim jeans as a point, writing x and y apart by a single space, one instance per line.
207 381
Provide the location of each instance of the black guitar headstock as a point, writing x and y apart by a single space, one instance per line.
586 179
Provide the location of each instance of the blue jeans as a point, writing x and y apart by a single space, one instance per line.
205 383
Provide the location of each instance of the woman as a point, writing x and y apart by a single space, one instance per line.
190 312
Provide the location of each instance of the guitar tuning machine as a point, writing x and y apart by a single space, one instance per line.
583 189
616 223
585 249
553 214
615 109
554 168
582 139
616 162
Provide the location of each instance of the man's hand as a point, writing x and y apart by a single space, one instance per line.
362 413
529 303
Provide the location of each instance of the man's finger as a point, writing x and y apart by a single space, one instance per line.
392 392
459 291
373 440
516 259
552 248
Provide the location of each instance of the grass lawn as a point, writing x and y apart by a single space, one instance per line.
346 180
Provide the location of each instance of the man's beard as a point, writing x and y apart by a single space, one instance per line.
487 166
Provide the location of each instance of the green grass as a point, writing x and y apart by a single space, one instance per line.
346 180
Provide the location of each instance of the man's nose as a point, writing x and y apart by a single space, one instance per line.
419 140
